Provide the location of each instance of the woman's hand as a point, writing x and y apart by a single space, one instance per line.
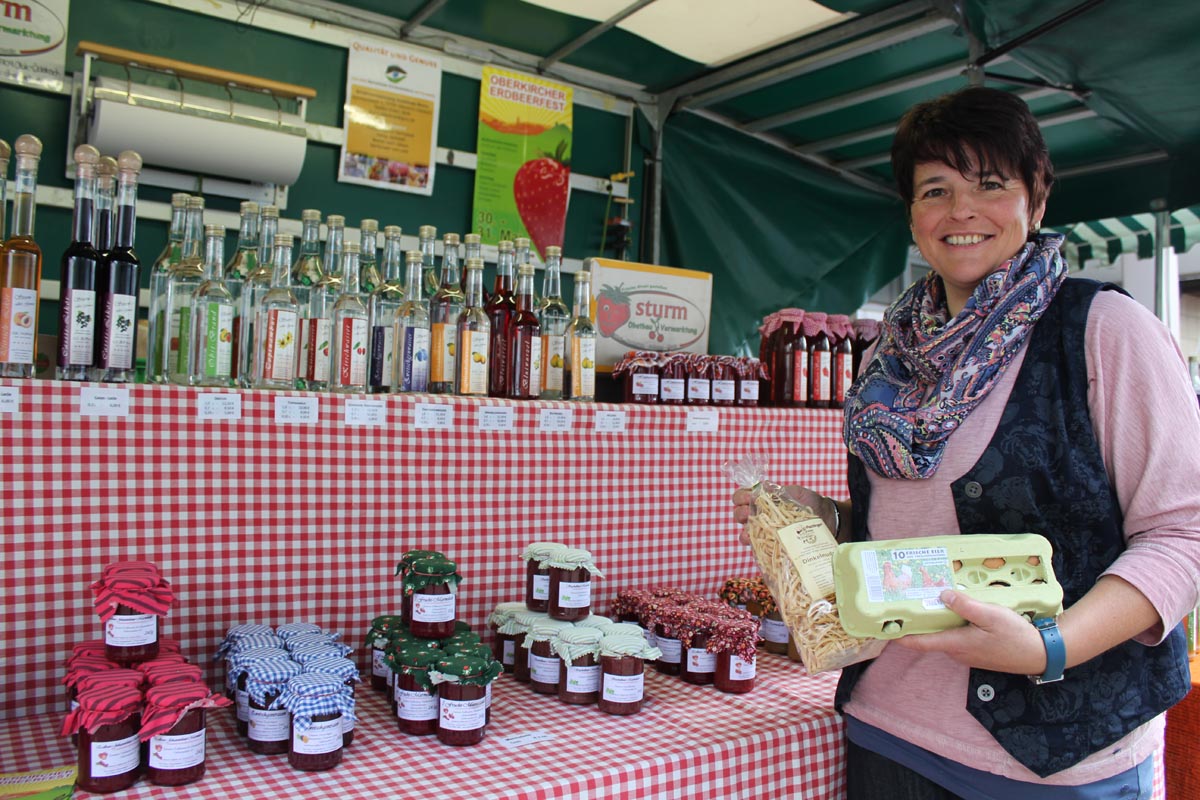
743 506
996 638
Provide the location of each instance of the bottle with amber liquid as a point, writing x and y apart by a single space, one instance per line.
444 310
554 317
524 342
349 315
213 308
160 272
21 268
77 309
117 284
579 376
474 337
500 308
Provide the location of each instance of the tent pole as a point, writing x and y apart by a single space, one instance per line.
656 232
1166 269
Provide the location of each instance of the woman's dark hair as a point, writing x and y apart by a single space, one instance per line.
989 124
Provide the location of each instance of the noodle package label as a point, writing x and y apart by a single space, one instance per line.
810 547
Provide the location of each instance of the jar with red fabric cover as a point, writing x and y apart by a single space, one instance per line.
106 720
699 381
129 598
698 665
724 380
820 360
173 727
734 644
843 358
672 379
80 682
639 371
752 376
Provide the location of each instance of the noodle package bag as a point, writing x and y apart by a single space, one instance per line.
794 551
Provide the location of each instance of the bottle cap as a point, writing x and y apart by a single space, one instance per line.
178 200
583 275
108 169
472 238
28 145
521 242
352 247
129 161
474 263
248 207
450 239
427 232
310 215
269 211
86 155
525 269
195 201
553 250
392 230
505 246
214 230
412 257
369 226
335 221
284 240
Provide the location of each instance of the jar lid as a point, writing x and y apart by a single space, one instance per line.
540 551
466 669
417 657
94 647
113 677
313 694
176 695
430 571
527 619
343 668
460 640
635 646
387 621
160 660
113 700
408 558
575 642
250 642
573 558
246 629
434 565
171 673
166 705
545 630
738 636
625 629
167 646
292 629
594 621
243 659
503 612
130 567
269 677
406 639
87 665
297 641
320 650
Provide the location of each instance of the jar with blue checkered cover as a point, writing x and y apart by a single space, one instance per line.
345 670
268 729
317 703
243 637
242 661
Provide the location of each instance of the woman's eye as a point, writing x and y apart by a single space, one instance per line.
992 186
931 193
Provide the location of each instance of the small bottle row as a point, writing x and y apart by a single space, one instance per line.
812 357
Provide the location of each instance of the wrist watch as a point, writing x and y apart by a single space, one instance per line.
1056 651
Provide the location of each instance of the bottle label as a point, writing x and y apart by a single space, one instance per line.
543 669
583 366
116 349
131 630
379 667
774 631
535 369
527 363
672 388
241 700
318 738
553 350
473 366
279 345
352 360
216 339
624 688
462 715
671 650
320 331
18 310
381 355
269 726
844 364
441 351
645 383
574 595
724 390
699 389
305 348
740 669
749 389
541 587
178 337
81 316
583 679
415 706
432 607
509 655
800 377
822 366
415 374
116 757
700 660
183 751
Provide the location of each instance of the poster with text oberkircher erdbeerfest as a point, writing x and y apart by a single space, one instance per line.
33 43
391 115
523 172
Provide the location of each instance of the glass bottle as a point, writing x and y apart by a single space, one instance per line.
117 283
783 364
268 226
444 310
801 377
524 255
472 248
820 360
104 228
843 359
524 344
277 324
368 261
322 298
21 268
171 255
213 310
427 242
239 269
412 330
554 316
77 307
579 376
307 273
500 309
349 369
474 336
335 244
385 301
255 287
182 281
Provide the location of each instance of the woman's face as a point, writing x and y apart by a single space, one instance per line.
968 226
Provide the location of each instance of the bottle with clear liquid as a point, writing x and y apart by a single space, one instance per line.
213 312
171 255
384 303
349 373
239 269
472 248
524 255
117 283
474 336
501 307
268 228
182 281
106 194
412 330
579 377
524 342
256 286
554 316
427 242
77 307
444 310
368 263
306 274
21 268
277 324
335 244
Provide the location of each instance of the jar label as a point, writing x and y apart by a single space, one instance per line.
574 595
749 389
432 607
510 653
116 757
582 680
379 667
543 670
462 715
724 390
624 688
645 383
242 700
775 631
541 587
700 660
416 706
740 669
671 388
698 389
671 650
269 726
80 336
177 752
131 630
318 738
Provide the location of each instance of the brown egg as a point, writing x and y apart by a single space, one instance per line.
993 563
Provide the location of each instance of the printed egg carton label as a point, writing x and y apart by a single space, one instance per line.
888 589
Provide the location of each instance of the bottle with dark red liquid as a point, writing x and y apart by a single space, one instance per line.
524 343
117 284
843 358
500 308
77 308
820 360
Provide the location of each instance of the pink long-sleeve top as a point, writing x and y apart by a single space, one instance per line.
1145 416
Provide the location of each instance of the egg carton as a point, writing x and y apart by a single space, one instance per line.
888 589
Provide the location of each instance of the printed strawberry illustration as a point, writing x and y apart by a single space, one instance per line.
612 309
541 189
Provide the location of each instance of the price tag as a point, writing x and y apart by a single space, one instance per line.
494 418
219 406
10 399
610 421
429 416
103 402
522 739
705 420
555 419
365 412
302 410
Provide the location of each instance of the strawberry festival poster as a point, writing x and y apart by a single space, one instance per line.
523 168
392 96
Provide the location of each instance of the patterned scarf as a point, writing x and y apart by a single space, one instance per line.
929 373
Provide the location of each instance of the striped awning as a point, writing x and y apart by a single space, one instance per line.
1108 238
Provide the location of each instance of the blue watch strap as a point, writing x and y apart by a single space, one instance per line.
1056 651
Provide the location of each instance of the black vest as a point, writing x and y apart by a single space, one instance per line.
1043 473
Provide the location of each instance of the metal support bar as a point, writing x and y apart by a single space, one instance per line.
998 77
1162 240
1108 166
1045 27
590 34
423 13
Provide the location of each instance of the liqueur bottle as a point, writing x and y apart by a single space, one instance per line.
500 309
820 360
239 269
801 377
171 255
256 285
268 227
213 311
412 330
472 248
21 268
524 344
427 241
384 303
554 316
444 310
579 376
349 370
335 244
117 283
182 281
277 324
322 298
307 273
524 255
843 359
368 262
106 193
77 309
474 336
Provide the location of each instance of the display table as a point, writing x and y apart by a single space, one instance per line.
781 740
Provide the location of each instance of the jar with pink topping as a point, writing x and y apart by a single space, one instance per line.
724 380
672 379
106 720
639 371
843 358
752 376
173 727
130 597
699 381
733 643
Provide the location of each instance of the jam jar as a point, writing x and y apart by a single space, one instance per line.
733 641
579 649
521 623
248 642
402 567
537 575
347 672
378 638
622 673
136 595
571 572
432 584
83 682
672 379
734 674
751 374
670 650
241 663
699 665
640 371
504 634
545 667
269 728
110 755
173 727
317 703
775 633
699 382
481 651
462 698
724 380
416 694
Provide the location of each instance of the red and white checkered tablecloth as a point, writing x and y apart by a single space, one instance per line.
781 740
